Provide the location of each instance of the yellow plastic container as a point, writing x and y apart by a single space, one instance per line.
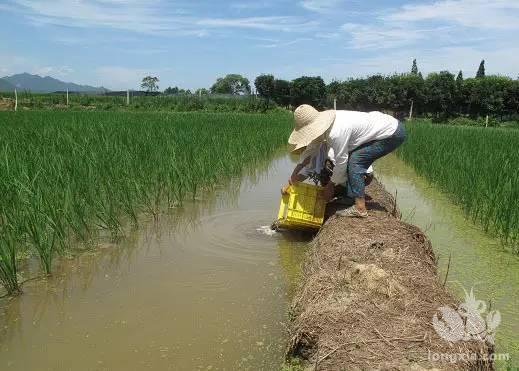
302 208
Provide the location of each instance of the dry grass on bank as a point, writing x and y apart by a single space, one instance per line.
369 292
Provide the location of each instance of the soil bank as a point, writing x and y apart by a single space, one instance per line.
368 295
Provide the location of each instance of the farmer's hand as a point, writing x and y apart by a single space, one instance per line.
284 189
294 179
329 191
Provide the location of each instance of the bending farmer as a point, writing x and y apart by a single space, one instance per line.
319 168
357 140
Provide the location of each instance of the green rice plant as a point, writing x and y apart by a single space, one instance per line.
75 175
8 263
477 166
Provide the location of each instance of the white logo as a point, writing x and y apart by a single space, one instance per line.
469 322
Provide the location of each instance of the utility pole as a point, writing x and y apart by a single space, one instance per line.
411 110
15 100
127 97
335 104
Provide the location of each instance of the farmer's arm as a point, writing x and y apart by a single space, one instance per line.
341 150
301 172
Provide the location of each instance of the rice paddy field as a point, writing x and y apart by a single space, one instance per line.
168 103
70 176
476 166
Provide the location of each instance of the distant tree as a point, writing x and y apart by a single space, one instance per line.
481 70
333 89
281 92
460 93
459 78
265 86
487 96
231 84
402 92
171 91
201 91
441 92
308 90
149 83
414 69
512 97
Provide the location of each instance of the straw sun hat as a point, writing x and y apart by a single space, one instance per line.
309 125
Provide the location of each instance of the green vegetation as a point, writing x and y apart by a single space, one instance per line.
231 84
477 166
69 176
440 96
175 103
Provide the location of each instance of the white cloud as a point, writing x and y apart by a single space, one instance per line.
321 6
275 23
120 77
277 44
499 60
438 23
55 71
11 64
251 5
148 17
386 36
481 14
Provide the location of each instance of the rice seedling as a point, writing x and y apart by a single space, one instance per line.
478 166
69 176
8 263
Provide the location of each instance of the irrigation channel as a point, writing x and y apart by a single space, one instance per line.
477 261
209 288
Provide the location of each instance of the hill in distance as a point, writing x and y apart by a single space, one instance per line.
47 84
6 85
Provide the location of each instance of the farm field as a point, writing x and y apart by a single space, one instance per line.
167 103
68 176
477 166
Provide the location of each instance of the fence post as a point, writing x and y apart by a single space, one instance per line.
335 104
486 122
127 97
15 100
411 110
67 97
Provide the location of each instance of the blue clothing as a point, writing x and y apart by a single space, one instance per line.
364 155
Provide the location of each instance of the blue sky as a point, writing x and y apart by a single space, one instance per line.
115 43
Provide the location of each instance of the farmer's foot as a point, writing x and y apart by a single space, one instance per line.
344 201
353 212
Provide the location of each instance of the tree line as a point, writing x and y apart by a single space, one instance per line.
440 95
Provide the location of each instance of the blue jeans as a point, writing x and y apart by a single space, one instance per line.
363 156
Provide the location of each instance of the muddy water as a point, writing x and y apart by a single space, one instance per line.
477 260
205 289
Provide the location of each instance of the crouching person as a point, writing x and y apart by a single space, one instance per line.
357 140
319 168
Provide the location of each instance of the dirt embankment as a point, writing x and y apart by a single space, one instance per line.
368 295
6 104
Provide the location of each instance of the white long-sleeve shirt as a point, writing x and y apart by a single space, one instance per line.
350 130
317 160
